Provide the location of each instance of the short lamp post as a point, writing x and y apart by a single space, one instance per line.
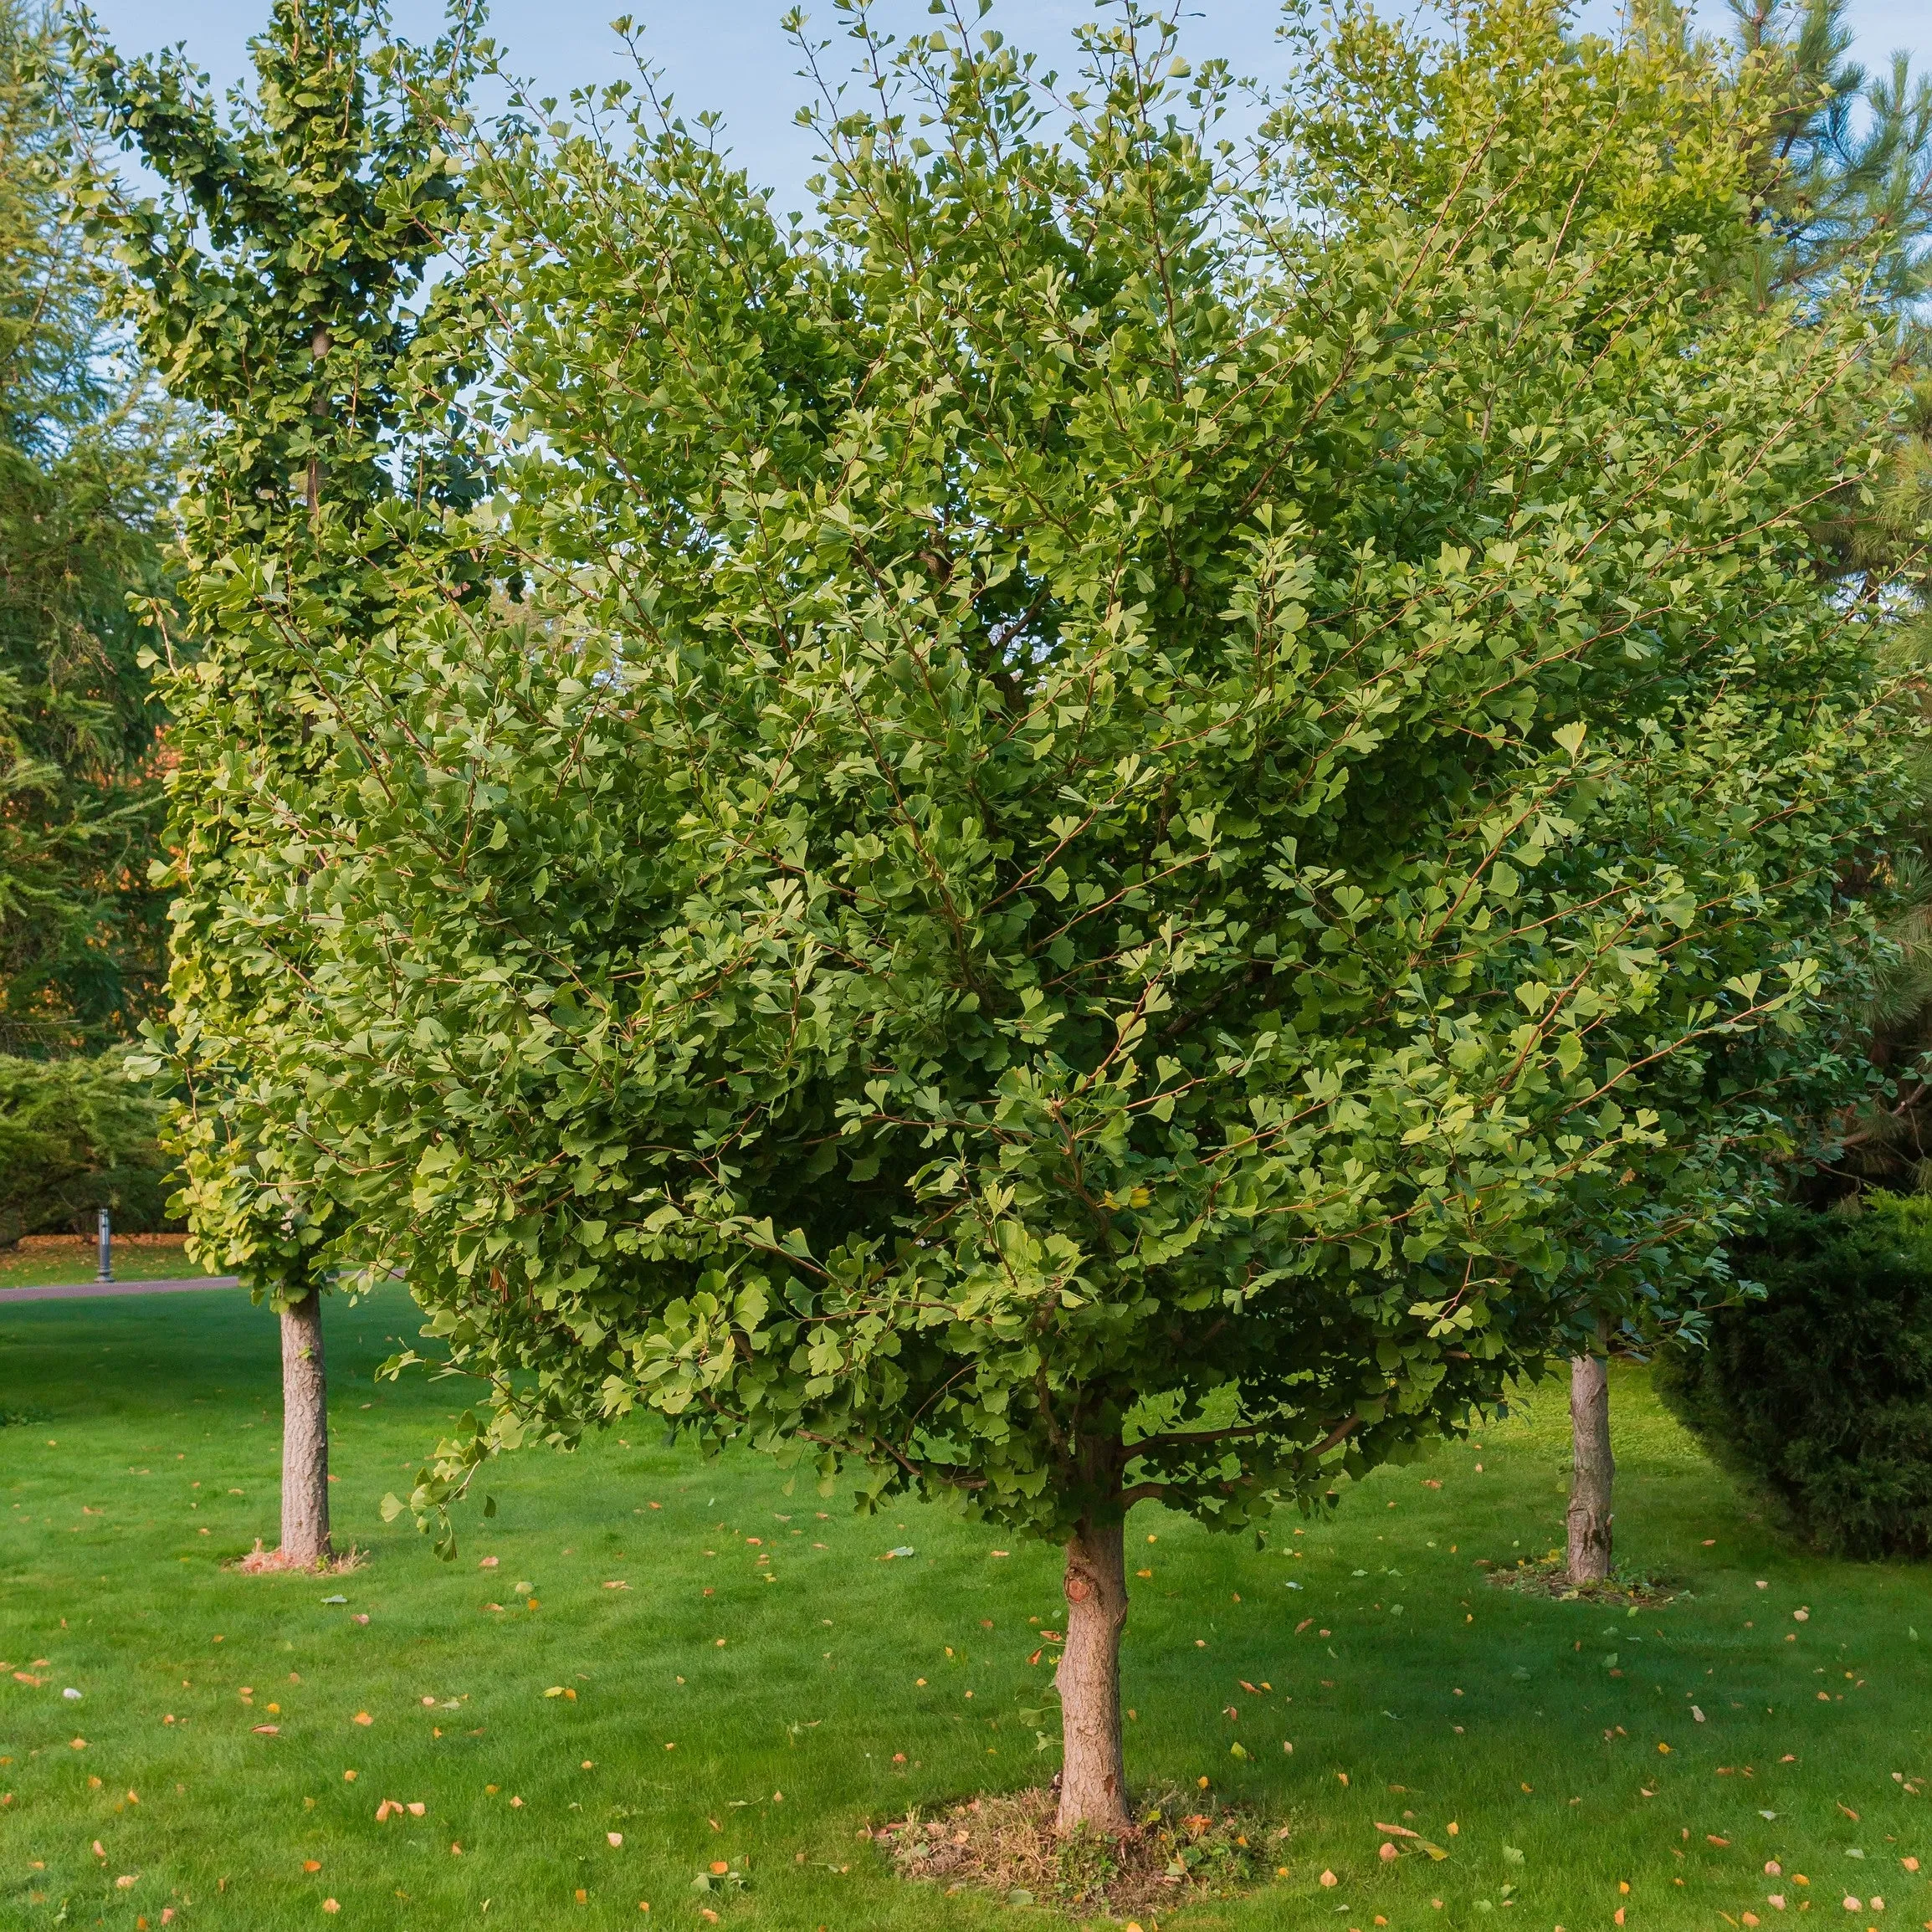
105 1224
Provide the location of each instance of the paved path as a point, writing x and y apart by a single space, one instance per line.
75 1291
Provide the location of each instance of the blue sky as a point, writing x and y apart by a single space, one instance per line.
730 54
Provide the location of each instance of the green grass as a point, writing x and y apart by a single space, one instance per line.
75 1261
1440 1697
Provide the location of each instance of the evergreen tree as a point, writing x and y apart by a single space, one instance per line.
1843 173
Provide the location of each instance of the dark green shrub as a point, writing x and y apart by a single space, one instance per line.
77 1134
1821 1393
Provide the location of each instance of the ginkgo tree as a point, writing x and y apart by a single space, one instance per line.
1841 174
1116 803
278 285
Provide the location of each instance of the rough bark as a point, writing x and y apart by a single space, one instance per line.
305 1434
1593 1470
1093 1777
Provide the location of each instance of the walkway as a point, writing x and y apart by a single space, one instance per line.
75 1291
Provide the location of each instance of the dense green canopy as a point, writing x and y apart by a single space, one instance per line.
1138 806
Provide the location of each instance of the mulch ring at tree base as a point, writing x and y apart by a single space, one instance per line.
1183 1844
1549 1577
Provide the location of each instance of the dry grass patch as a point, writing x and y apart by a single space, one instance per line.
260 1562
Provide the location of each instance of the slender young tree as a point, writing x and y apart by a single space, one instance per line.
1593 1467
1840 177
1136 804
278 287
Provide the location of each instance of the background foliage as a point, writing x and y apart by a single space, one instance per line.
86 446
76 1135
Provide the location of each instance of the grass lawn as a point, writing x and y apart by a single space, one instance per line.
765 1682
43 1262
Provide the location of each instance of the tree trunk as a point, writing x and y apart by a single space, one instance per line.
305 1434
1594 1470
1093 1775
